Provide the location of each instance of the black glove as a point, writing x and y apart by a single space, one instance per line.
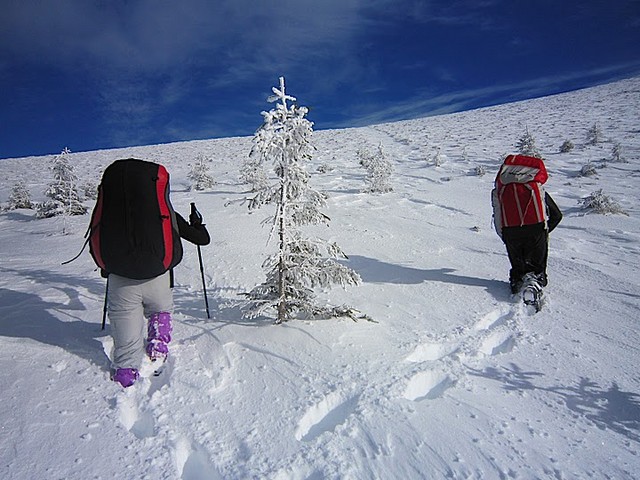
195 218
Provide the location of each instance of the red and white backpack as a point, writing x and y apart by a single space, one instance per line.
518 196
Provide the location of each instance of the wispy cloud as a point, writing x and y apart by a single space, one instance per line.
142 56
150 35
428 104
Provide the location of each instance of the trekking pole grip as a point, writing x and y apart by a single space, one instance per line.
195 217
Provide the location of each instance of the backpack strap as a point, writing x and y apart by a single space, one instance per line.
86 242
541 214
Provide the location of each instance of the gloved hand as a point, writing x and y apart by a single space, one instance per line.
195 218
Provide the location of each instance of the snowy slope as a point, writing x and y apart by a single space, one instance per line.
455 380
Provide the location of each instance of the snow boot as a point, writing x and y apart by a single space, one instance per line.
125 376
532 291
159 336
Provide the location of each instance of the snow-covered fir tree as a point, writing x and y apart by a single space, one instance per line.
62 192
301 264
19 197
379 171
199 174
526 145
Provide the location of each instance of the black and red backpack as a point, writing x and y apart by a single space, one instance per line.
133 231
518 197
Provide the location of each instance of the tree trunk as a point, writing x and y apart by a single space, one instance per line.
282 301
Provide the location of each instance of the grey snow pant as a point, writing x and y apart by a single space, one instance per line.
129 304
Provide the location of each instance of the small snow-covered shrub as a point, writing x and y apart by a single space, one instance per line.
598 202
588 170
567 146
616 154
465 154
437 158
324 168
594 135
480 170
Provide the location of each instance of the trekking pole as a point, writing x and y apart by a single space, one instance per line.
196 214
104 307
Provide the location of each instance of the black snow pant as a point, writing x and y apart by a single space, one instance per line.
528 250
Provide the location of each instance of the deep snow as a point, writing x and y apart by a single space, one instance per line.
455 380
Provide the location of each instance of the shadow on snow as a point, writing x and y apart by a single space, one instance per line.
608 408
25 315
375 271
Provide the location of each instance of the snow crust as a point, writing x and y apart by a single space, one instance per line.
455 380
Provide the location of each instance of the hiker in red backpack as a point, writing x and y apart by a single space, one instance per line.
524 215
135 240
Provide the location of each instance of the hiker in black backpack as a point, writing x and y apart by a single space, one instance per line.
135 240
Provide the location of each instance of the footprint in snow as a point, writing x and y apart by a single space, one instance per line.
140 423
493 319
497 342
427 385
325 416
431 352
193 462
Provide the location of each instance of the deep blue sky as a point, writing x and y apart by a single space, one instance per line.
92 74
